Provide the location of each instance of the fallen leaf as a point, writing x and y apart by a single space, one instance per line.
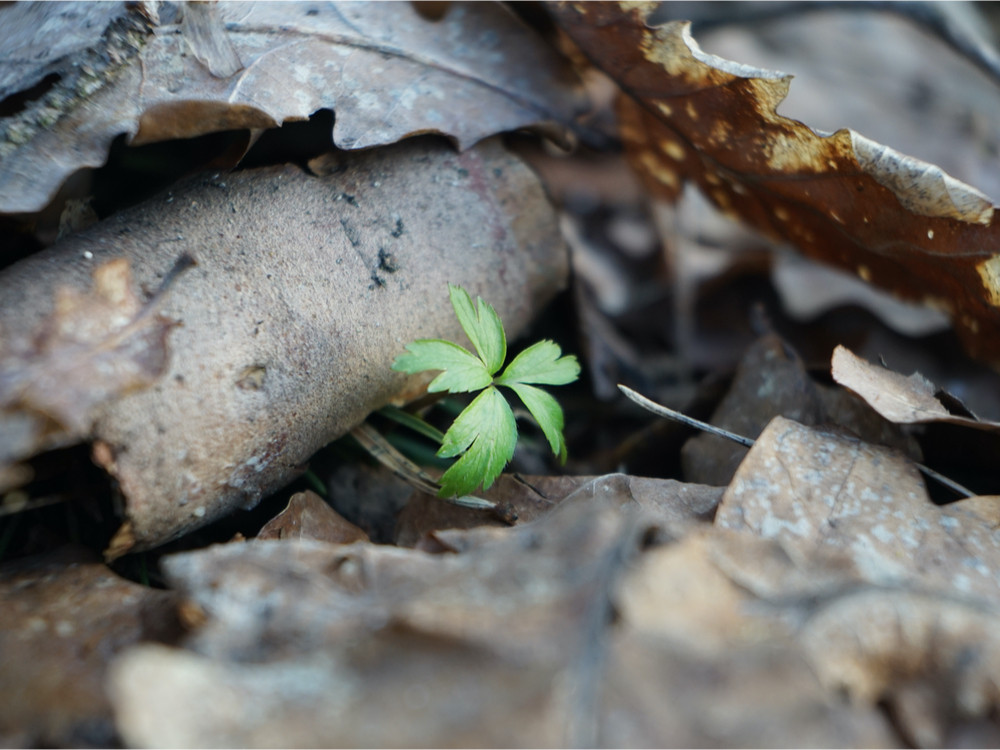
934 103
65 617
895 221
305 290
427 523
307 516
513 641
754 696
902 399
771 380
811 488
94 347
385 70
933 660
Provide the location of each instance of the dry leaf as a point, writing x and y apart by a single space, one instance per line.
426 522
305 290
307 516
771 381
933 660
64 617
898 398
510 642
933 103
386 71
812 488
94 347
895 221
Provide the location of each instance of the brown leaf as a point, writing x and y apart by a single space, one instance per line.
306 289
810 488
94 347
934 104
386 71
932 660
771 380
510 642
898 398
895 221
307 516
65 617
429 524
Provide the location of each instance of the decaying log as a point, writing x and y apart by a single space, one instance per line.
304 290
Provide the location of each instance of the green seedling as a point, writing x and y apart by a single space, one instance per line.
483 436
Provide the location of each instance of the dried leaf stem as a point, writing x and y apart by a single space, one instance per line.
386 454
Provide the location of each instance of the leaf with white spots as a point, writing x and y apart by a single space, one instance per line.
895 221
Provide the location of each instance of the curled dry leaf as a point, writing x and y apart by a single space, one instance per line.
893 220
902 399
306 288
385 70
94 347
840 72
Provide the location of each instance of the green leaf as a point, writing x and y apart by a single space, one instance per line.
540 363
487 433
547 412
461 370
483 327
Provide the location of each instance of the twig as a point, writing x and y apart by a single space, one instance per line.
664 411
669 413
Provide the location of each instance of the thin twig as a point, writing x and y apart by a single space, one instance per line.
669 413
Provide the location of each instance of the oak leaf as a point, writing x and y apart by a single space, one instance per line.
895 221
385 70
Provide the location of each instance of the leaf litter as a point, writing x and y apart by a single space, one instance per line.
475 72
814 596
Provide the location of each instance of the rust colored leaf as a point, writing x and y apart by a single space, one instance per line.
902 399
309 517
305 290
94 347
895 221
386 71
